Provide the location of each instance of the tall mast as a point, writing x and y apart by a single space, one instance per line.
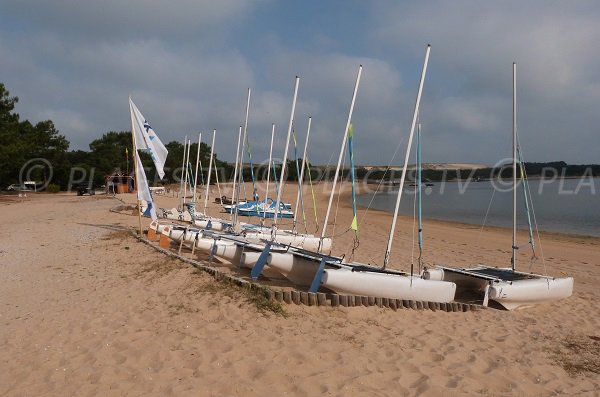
419 194
241 173
235 172
299 196
196 171
285 154
514 164
337 170
187 163
269 172
212 150
182 181
410 138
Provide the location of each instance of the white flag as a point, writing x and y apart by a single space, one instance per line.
146 139
143 191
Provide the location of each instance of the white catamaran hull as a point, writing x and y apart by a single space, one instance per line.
387 285
511 294
214 224
249 259
307 242
523 293
300 271
225 250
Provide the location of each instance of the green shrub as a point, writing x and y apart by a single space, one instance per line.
53 188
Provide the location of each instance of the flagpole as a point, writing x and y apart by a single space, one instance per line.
139 203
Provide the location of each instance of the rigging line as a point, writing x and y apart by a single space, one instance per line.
420 194
366 210
337 206
525 189
354 225
326 169
487 212
218 185
537 230
254 195
201 174
275 180
300 195
312 191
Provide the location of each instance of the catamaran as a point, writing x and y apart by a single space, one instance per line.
316 269
509 288
207 238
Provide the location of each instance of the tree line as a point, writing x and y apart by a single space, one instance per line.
22 142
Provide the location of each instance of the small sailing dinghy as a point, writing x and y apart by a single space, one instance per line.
508 287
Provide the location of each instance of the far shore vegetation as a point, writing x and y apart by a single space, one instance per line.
24 141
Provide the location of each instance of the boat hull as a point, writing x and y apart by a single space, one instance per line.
249 259
298 270
387 285
524 293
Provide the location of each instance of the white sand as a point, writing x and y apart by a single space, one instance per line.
88 310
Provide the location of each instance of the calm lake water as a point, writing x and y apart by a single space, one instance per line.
563 205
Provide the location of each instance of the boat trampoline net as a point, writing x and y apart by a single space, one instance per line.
502 274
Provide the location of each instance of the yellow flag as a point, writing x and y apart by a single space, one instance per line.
354 225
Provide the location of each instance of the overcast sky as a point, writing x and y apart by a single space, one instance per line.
188 65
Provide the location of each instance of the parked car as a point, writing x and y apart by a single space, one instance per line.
18 188
85 189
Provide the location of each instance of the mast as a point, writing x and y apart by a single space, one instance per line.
419 194
187 165
514 164
196 171
241 173
212 150
235 172
182 180
268 173
300 197
410 138
337 170
285 154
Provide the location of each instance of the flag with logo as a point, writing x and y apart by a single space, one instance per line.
143 191
146 139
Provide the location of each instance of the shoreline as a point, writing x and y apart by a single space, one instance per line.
347 197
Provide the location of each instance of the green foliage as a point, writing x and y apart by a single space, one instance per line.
53 188
22 141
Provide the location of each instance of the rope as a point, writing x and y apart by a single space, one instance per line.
381 181
537 230
312 191
301 195
337 206
218 185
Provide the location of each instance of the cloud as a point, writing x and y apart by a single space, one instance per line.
122 20
188 65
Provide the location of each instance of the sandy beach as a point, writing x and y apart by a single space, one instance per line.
86 309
